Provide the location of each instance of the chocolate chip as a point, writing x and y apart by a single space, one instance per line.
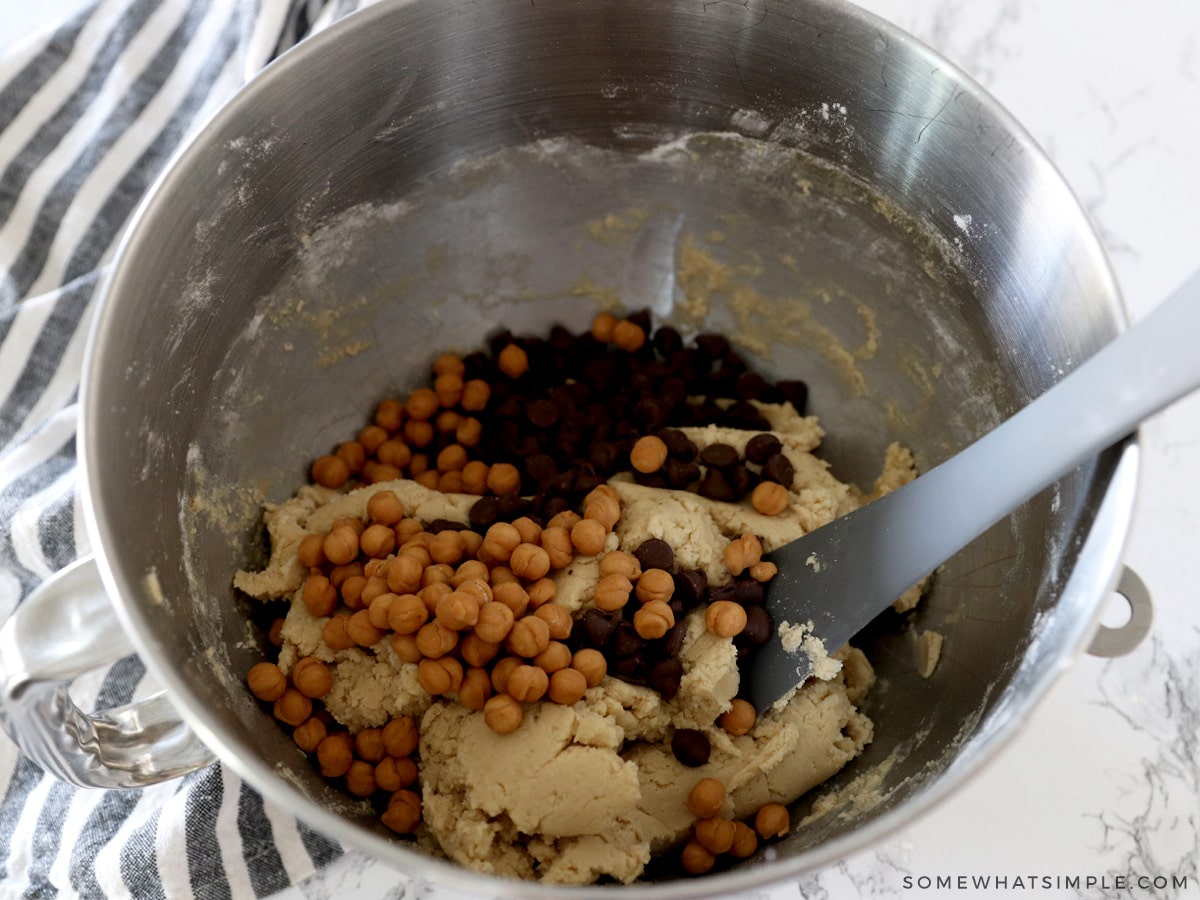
744 415
778 468
542 413
795 392
713 346
664 676
761 447
630 668
607 456
716 486
528 445
673 391
512 506
627 642
477 365
691 587
704 412
510 407
720 382
749 592
679 445
721 456
561 338
437 526
652 479
690 746
673 640
651 414
598 627
758 626
743 480
586 479
552 506
680 474
600 373
667 341
750 386
541 467
655 553
484 512
726 591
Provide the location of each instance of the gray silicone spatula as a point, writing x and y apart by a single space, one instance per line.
845 573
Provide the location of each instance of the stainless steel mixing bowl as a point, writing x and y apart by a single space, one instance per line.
803 176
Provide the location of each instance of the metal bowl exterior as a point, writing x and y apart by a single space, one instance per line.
205 386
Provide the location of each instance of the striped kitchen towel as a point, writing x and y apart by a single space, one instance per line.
90 112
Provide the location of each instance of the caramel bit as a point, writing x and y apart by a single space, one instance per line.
655 585
696 860
403 812
742 553
725 618
529 561
715 835
603 326
770 498
567 686
591 664
612 592
588 537
653 620
706 798
527 683
772 820
330 471
503 714
620 562
740 718
312 678
529 636
628 335
266 681
400 736
745 841
309 734
335 754
513 361
648 455
341 545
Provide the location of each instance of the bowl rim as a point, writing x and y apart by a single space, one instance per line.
1107 536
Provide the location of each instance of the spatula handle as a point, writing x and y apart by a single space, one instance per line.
842 575
1151 365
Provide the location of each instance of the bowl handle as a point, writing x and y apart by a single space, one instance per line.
65 628
1110 642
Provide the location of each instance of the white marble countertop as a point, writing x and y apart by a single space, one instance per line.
1104 780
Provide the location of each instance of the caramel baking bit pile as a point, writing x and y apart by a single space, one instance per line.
474 607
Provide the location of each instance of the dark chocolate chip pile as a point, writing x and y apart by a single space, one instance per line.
569 422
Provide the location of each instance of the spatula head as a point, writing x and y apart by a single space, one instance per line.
831 582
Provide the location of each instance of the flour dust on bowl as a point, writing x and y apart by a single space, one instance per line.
842 205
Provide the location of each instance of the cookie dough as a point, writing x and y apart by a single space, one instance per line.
593 790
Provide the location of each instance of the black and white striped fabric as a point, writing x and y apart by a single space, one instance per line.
90 112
